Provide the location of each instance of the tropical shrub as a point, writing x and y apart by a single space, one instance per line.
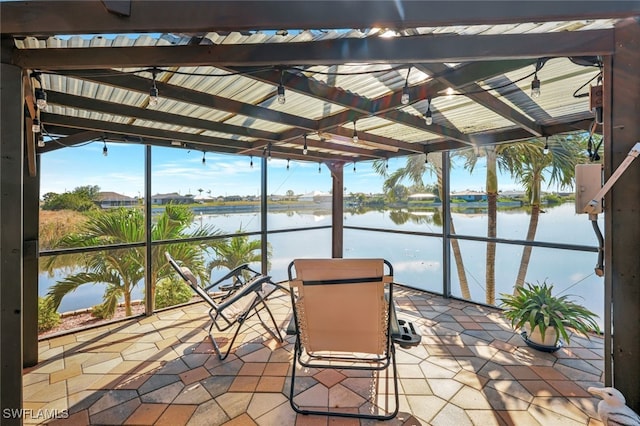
172 291
48 317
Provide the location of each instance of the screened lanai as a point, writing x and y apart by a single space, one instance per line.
299 81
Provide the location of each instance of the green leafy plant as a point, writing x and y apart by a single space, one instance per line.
48 317
535 305
171 291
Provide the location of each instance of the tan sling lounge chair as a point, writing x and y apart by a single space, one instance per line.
238 301
342 313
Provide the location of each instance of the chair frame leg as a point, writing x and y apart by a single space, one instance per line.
240 322
297 351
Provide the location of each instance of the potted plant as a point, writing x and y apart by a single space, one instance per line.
544 318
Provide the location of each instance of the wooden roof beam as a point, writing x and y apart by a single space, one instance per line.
91 17
414 49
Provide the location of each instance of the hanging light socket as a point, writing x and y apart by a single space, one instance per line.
40 141
281 97
35 126
153 92
105 150
405 95
545 151
535 86
305 148
428 116
41 98
355 134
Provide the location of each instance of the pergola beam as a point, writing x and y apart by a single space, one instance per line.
170 91
476 93
143 132
92 104
90 17
415 49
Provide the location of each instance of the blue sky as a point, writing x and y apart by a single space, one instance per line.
177 170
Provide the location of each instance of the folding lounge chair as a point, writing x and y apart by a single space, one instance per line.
239 301
342 315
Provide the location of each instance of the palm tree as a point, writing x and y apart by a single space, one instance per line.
236 251
123 269
415 168
532 166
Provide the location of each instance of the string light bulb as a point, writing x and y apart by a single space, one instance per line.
287 164
105 150
535 85
305 148
40 141
354 167
405 90
281 97
319 167
269 152
204 160
545 151
405 96
41 98
153 92
428 116
251 163
35 126
355 133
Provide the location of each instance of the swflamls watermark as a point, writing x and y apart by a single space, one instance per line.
29 413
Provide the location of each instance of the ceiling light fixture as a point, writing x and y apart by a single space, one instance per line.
405 90
153 92
41 98
355 133
305 148
428 116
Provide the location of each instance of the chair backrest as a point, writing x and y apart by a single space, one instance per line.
341 304
188 276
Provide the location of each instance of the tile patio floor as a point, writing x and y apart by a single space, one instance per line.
471 369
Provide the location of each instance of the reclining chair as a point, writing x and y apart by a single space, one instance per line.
236 302
343 315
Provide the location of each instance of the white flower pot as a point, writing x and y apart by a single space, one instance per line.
534 336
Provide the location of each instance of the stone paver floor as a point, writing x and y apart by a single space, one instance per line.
470 369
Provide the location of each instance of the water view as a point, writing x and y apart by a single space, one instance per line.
417 259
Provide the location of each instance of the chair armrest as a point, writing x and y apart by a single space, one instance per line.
255 285
234 273
402 332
